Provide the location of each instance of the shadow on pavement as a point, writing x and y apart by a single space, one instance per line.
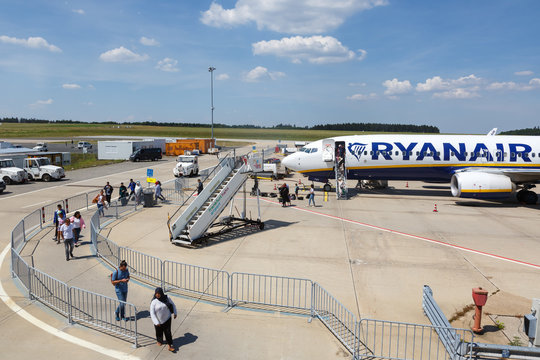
187 339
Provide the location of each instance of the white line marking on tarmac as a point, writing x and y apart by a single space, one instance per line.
52 330
41 202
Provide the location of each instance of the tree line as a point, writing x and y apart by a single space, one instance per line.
374 127
527 131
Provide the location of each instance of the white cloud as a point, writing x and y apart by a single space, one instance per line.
168 65
122 54
395 87
458 93
360 84
71 86
513 86
261 73
42 102
362 97
437 83
287 16
78 11
31 42
148 42
223 77
315 49
524 73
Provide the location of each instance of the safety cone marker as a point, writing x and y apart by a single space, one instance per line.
275 188
435 209
407 184
300 181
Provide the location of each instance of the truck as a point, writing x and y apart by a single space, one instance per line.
187 165
10 173
41 168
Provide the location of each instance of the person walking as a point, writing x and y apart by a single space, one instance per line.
122 191
138 193
78 225
312 195
131 187
120 279
108 192
162 308
284 194
66 232
58 211
60 221
158 191
100 202
200 186
296 189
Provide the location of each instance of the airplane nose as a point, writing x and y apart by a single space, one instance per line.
288 162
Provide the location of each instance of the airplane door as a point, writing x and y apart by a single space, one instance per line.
328 148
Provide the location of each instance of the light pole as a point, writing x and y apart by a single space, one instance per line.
211 70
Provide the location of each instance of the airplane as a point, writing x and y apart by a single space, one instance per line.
476 166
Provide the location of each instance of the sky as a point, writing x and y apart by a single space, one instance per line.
463 66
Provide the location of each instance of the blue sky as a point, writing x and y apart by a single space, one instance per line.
464 66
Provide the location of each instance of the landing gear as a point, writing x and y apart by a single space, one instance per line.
526 196
327 187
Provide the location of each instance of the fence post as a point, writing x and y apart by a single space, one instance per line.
30 283
67 206
43 214
70 306
23 232
162 274
312 308
136 345
87 205
116 208
11 255
118 256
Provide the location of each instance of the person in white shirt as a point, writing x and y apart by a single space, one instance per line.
66 233
138 193
161 310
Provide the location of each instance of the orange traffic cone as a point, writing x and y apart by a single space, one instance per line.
435 208
300 181
407 184
275 188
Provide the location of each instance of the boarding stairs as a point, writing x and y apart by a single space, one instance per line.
200 215
341 179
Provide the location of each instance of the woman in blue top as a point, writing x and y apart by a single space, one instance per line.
120 278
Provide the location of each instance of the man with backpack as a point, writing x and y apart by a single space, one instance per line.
120 278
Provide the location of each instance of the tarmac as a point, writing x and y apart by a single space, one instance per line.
373 252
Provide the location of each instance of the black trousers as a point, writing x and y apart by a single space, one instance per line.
164 328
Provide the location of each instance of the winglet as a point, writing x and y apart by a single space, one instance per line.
492 132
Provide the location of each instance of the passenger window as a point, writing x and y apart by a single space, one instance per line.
410 153
438 153
519 154
452 153
371 152
532 154
425 153
365 152
417 153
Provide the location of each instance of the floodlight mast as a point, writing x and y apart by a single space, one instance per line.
211 70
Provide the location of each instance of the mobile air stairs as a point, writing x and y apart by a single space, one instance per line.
192 225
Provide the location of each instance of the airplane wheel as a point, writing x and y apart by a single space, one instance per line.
521 195
327 187
530 198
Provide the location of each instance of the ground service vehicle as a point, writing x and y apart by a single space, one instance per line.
41 168
186 166
153 154
84 144
40 146
11 174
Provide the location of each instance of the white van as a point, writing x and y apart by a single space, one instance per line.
84 144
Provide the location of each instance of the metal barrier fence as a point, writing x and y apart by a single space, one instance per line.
379 339
277 291
32 222
196 280
337 318
18 237
50 291
98 311
143 266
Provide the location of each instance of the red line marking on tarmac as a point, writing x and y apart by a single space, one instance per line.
478 252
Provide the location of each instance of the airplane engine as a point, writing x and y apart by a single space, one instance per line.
481 185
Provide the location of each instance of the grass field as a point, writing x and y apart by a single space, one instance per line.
81 161
9 130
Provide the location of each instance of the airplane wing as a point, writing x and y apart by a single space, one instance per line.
517 176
